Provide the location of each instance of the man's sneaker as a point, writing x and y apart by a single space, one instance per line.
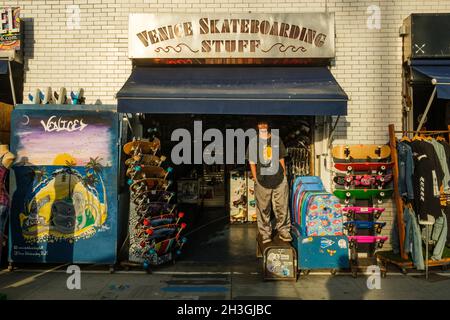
285 236
266 240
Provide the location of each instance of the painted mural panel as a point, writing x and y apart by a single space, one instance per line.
64 206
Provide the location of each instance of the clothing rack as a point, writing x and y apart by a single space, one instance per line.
398 200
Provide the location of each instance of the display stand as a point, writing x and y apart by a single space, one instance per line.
385 257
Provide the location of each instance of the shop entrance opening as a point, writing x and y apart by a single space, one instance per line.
218 199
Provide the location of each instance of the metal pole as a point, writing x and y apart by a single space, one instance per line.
427 109
426 253
11 80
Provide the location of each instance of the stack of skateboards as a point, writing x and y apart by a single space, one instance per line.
155 224
53 97
364 174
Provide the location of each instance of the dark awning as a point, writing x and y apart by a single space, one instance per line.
438 71
3 66
233 90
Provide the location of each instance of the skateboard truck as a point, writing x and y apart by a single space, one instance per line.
347 152
378 152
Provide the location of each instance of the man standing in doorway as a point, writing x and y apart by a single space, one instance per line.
266 157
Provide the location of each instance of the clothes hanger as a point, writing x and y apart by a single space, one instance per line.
428 138
417 137
405 138
440 138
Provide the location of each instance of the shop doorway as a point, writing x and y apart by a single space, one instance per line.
208 193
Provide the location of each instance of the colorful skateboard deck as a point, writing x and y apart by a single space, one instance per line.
362 180
379 240
163 219
363 152
350 212
363 166
48 96
363 194
145 160
354 226
77 98
37 97
140 146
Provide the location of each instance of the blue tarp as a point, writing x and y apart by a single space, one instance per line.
233 90
439 71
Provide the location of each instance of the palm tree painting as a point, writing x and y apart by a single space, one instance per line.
69 168
95 167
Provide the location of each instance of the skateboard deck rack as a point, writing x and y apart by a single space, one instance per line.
366 160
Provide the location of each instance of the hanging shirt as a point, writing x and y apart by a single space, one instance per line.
443 161
427 180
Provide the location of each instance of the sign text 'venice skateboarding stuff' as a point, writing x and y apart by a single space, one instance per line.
232 36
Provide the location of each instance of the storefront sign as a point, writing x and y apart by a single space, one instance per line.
299 35
10 36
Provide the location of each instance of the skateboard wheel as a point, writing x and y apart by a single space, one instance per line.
381 194
383 168
349 168
348 194
382 179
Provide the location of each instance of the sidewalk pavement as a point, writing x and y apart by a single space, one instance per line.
211 283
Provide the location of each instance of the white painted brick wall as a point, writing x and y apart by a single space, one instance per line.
368 62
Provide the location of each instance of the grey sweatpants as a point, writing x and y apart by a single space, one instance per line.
266 199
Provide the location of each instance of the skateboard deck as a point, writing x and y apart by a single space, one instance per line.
145 160
362 180
350 212
77 98
379 240
162 219
154 196
148 184
363 166
363 152
61 97
140 146
154 208
48 96
37 98
363 194
142 172
353 226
